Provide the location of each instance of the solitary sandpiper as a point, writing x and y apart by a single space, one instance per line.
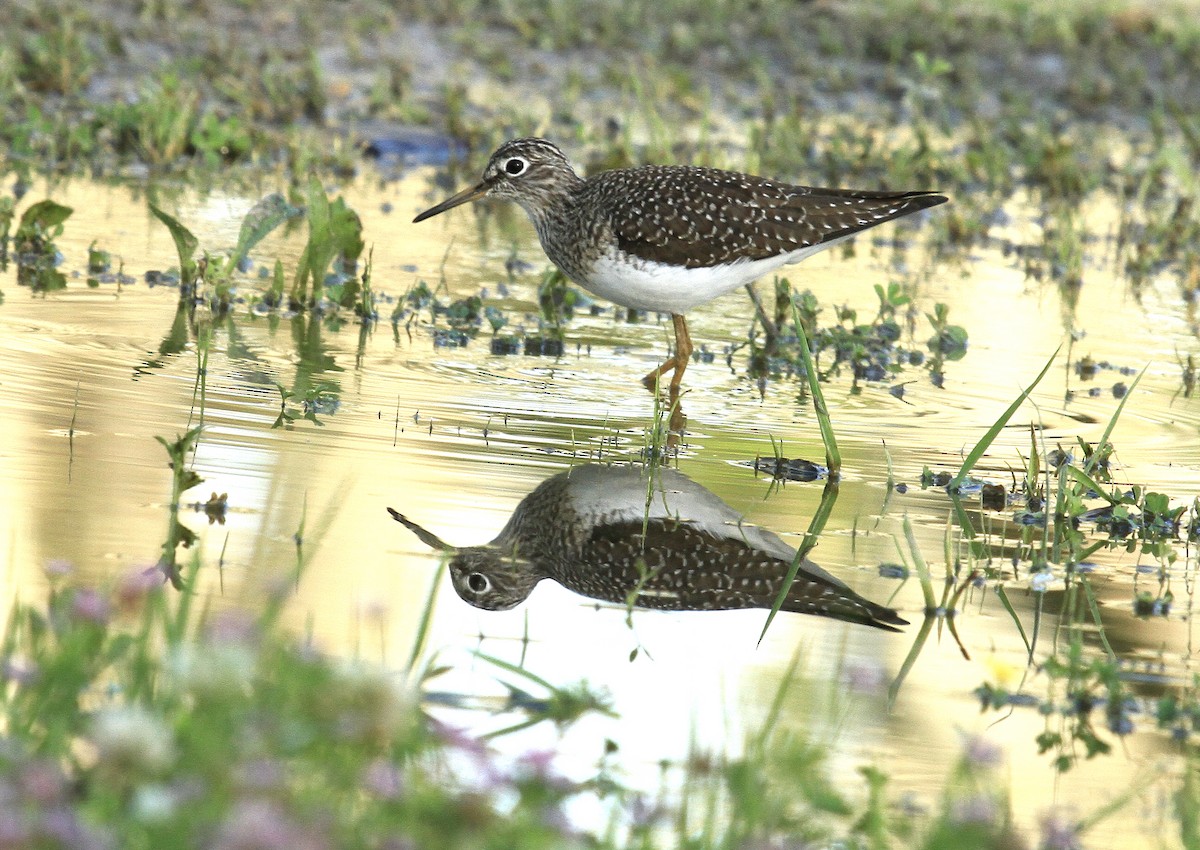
669 237
593 531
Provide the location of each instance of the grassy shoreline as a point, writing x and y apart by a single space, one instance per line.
170 85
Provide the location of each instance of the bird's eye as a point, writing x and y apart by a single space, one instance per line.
515 166
478 582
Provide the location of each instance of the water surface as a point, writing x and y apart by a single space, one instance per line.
455 437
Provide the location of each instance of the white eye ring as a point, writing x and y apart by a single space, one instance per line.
478 583
515 166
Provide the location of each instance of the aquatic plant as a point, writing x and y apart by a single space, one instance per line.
1088 698
334 239
33 246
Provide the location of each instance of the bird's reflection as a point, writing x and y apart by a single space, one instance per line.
654 540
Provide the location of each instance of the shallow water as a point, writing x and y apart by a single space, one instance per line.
455 437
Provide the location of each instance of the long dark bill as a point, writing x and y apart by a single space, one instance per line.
463 197
427 537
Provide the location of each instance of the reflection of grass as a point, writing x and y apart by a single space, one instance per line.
141 713
1088 698
325 282
183 478
131 710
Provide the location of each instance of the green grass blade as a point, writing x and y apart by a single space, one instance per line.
1087 481
1037 623
515 670
1112 422
988 438
922 568
508 730
1094 609
422 635
764 733
965 525
910 659
1012 612
815 527
833 458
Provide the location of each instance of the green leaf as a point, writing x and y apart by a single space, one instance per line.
185 245
334 230
263 217
44 215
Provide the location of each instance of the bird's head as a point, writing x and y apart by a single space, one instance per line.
491 579
487 577
528 171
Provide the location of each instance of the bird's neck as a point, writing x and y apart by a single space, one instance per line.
543 527
553 201
566 227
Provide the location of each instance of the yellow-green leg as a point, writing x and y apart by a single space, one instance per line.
677 363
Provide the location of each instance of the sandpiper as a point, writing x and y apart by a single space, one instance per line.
593 530
669 237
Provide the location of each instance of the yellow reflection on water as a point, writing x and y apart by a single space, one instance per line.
455 437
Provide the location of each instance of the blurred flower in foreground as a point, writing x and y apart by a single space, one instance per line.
131 741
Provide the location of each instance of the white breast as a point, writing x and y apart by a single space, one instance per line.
646 285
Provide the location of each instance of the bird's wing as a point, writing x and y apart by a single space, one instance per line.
677 566
699 217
